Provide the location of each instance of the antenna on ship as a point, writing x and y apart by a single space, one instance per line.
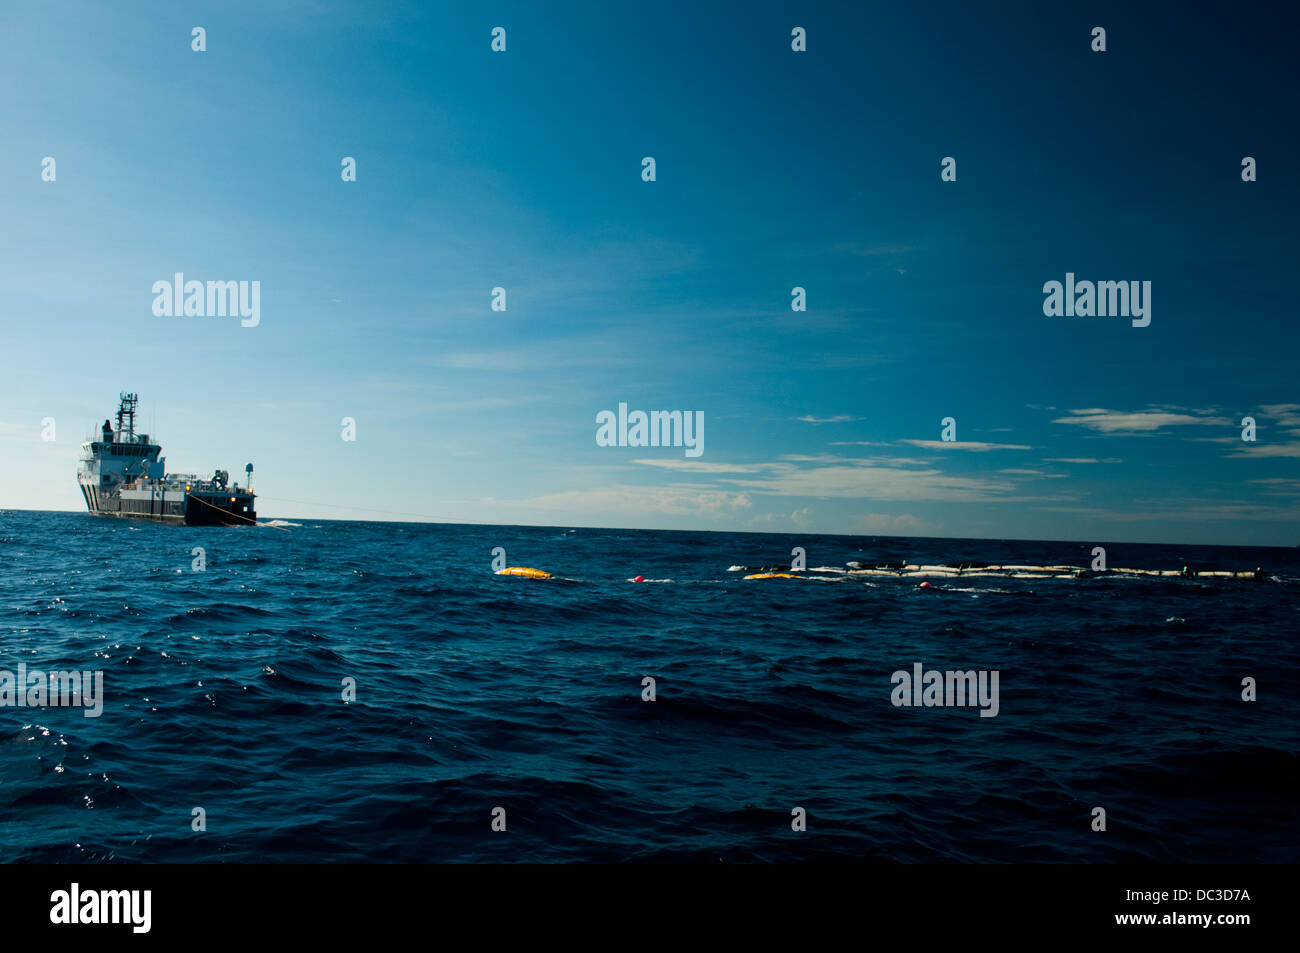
126 414
248 468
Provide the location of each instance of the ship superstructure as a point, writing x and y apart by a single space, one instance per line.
122 474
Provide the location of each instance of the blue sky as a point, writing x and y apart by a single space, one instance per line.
775 169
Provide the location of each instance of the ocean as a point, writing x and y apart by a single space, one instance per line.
223 699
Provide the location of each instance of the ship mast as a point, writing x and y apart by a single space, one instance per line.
126 417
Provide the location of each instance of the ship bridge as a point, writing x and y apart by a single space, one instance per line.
120 456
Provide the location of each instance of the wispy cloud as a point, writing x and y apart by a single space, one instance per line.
977 446
880 460
25 433
867 482
1285 417
863 250
837 419
1261 449
1278 486
593 506
702 466
513 360
1082 460
879 479
1140 421
1187 511
1035 473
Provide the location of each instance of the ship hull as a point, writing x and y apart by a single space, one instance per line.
228 519
201 512
173 506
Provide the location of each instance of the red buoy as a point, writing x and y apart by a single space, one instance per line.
639 579
925 585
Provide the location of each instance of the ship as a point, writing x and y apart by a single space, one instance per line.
121 474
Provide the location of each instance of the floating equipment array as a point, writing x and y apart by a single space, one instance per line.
961 570
1004 571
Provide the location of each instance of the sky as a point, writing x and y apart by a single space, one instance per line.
774 169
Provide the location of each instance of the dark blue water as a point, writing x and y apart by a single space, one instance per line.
473 691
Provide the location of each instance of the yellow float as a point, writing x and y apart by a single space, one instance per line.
524 571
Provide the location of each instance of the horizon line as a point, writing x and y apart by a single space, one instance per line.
431 521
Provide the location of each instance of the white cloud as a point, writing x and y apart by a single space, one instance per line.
1037 473
1261 449
1082 460
701 466
884 524
1142 421
1286 415
974 445
1278 485
868 482
837 419
614 505
1190 511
